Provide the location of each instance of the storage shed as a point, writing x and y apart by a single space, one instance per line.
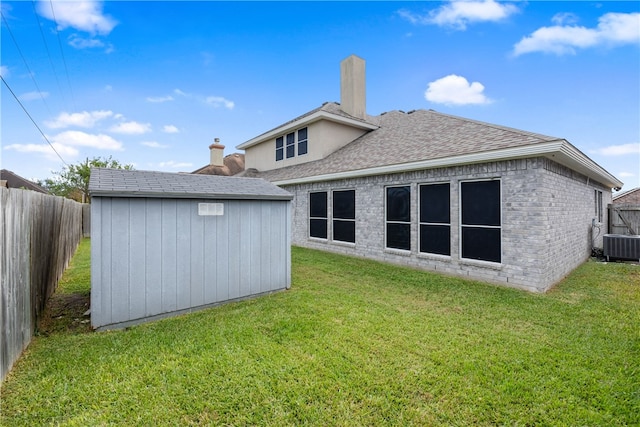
165 243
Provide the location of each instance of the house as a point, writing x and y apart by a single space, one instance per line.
629 197
11 180
231 165
163 244
434 191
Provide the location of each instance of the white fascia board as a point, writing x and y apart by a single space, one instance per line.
559 150
318 115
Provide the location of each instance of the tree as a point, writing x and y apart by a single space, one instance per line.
73 180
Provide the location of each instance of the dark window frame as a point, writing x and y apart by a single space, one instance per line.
472 230
400 222
290 145
437 224
316 217
598 205
345 223
303 144
279 148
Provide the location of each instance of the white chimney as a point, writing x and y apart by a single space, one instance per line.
352 87
217 153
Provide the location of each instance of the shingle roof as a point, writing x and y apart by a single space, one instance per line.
16 181
135 183
411 137
233 165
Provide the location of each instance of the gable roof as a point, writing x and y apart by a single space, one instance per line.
16 181
135 183
424 139
328 111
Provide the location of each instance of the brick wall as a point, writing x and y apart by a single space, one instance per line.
547 212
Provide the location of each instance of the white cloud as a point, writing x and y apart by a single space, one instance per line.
153 144
564 19
31 96
84 43
4 71
619 150
456 90
65 151
159 99
108 88
612 29
85 119
214 101
626 175
218 101
82 15
170 129
131 128
458 14
174 165
83 139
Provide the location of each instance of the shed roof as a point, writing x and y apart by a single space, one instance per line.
135 183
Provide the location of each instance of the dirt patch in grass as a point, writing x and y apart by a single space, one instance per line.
66 313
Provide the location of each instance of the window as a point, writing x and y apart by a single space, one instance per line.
598 205
344 216
286 145
302 141
435 223
481 220
279 148
318 214
398 221
291 144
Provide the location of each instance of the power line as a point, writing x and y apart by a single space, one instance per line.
25 62
32 120
46 46
64 61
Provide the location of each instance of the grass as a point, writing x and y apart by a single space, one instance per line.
354 342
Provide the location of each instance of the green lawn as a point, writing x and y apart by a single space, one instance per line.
353 342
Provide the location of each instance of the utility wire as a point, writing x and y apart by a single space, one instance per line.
25 62
64 61
32 120
46 46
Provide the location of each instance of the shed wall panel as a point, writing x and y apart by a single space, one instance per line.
158 256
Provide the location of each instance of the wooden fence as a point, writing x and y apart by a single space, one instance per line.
40 233
624 219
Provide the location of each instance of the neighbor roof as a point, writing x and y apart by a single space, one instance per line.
134 183
16 181
233 165
423 139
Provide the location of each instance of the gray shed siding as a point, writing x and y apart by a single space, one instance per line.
155 256
546 211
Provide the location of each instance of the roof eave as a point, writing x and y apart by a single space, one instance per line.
559 150
174 195
317 116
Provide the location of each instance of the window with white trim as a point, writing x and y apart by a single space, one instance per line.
435 219
398 217
598 205
481 220
286 144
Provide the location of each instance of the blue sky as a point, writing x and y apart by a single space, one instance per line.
153 83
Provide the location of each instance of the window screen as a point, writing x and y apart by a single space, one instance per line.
302 141
318 214
279 148
398 217
481 220
344 215
291 145
435 227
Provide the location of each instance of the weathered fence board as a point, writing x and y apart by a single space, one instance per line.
624 219
40 233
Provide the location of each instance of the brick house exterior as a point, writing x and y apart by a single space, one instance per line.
630 197
435 191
